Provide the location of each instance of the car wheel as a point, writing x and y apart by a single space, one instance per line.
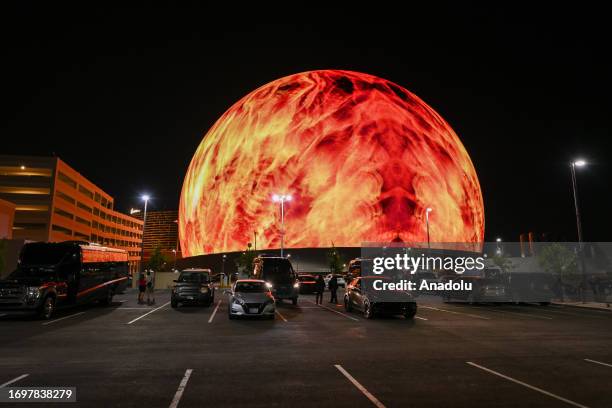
411 311
294 301
347 305
108 299
368 313
47 309
174 303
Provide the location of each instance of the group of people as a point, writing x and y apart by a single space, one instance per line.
320 288
146 285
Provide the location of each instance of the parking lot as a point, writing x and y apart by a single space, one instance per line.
132 355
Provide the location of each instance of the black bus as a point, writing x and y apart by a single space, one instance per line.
52 275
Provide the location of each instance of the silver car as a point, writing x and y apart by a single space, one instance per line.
250 297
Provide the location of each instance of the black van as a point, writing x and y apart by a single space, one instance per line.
51 275
279 275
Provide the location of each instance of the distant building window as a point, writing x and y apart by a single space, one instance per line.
96 212
63 213
61 229
83 221
84 207
97 198
87 192
29 226
82 236
65 197
67 180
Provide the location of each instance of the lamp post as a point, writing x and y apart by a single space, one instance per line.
281 199
427 211
145 198
223 269
174 267
499 251
573 165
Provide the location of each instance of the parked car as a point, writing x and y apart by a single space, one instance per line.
250 297
488 285
358 297
308 283
341 281
193 286
278 273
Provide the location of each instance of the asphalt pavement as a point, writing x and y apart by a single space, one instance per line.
451 355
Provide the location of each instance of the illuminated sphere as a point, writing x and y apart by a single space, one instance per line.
361 157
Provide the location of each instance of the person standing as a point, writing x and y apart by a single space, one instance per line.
333 288
142 287
150 287
320 287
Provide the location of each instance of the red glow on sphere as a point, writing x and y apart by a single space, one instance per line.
362 157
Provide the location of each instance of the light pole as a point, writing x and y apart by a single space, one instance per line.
281 199
145 198
573 165
174 267
223 269
498 240
427 211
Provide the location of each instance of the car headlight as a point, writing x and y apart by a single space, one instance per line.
33 292
296 285
268 285
204 290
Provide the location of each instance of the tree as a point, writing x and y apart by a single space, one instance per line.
502 262
244 262
158 260
562 262
334 260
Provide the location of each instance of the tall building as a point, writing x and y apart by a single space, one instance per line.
161 231
53 202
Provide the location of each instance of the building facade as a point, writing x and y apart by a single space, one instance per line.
161 231
7 215
53 202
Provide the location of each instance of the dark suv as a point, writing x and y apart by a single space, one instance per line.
193 286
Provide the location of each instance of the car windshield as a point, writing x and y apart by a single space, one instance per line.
306 278
250 287
277 271
43 254
193 277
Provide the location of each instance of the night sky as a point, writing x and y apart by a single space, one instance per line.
124 95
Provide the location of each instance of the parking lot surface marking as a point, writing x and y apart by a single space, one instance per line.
335 311
62 318
420 318
181 389
148 313
281 316
597 362
524 384
455 312
212 316
14 380
360 387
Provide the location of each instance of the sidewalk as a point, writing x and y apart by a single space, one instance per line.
587 305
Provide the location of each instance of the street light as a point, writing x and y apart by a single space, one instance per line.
427 211
145 198
174 251
573 165
281 198
223 270
498 240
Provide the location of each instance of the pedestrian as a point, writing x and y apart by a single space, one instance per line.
142 287
150 287
320 287
333 288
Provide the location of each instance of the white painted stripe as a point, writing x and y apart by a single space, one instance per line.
281 316
335 311
454 312
181 389
14 380
62 318
597 362
524 384
133 308
420 318
212 316
360 387
148 313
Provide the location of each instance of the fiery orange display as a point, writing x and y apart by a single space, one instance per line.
362 157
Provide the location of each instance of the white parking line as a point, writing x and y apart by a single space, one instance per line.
181 388
360 387
597 362
14 380
212 316
281 316
148 313
62 318
454 312
420 318
514 380
335 311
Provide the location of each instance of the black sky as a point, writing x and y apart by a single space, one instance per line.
125 94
